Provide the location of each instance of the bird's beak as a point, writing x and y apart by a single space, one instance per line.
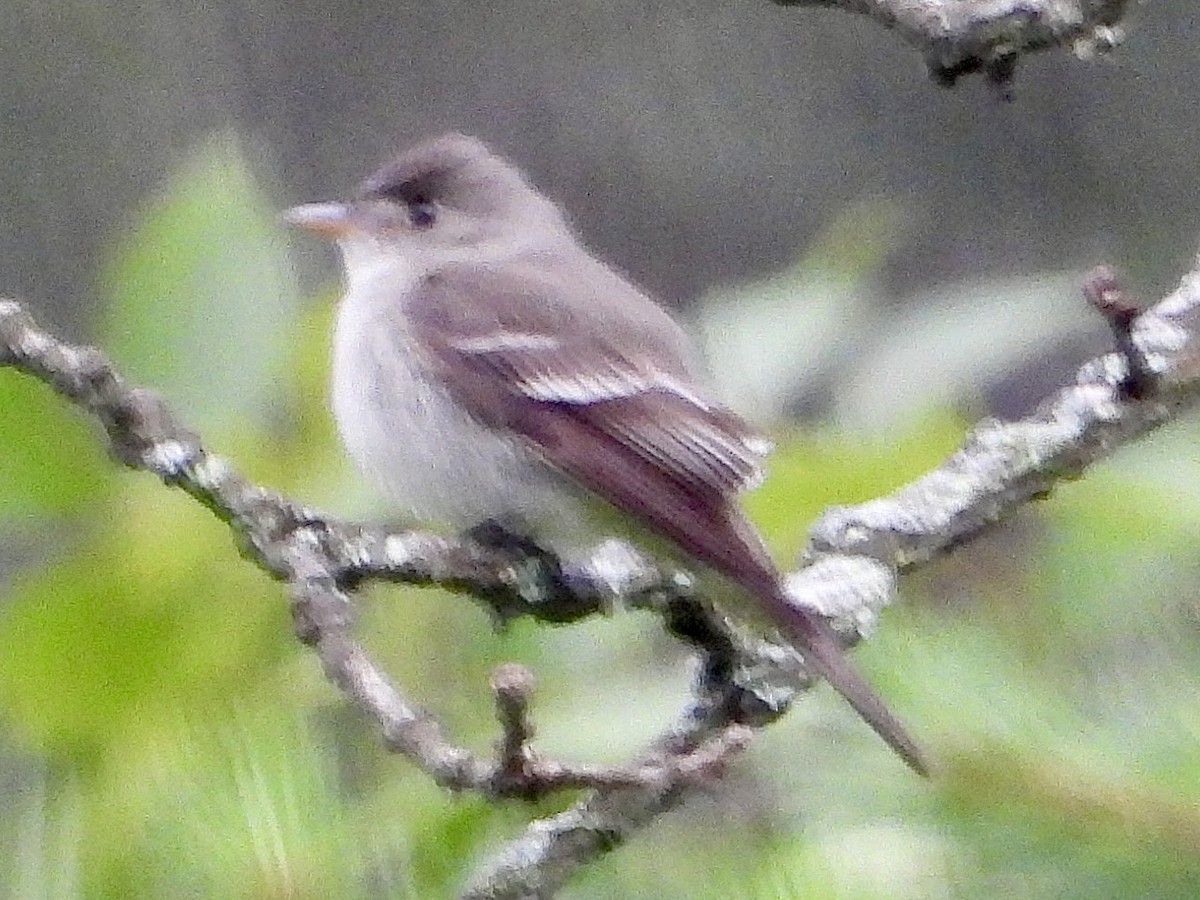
331 220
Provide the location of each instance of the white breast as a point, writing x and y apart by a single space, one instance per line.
431 460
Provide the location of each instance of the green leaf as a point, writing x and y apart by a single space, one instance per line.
50 459
818 468
200 296
153 612
769 340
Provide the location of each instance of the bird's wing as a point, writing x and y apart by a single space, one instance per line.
601 390
650 413
576 385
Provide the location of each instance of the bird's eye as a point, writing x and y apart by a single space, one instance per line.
421 212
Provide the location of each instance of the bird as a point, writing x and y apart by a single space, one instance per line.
487 368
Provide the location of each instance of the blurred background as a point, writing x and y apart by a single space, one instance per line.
870 263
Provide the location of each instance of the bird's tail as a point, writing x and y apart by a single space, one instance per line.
822 652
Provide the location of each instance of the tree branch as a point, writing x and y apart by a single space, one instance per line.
958 37
1001 465
853 552
848 573
320 558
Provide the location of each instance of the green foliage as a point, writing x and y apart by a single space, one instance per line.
148 613
52 461
200 294
166 736
823 467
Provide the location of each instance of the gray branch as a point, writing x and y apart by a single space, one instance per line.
1001 465
852 554
958 37
848 573
321 559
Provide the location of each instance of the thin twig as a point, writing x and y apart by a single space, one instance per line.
1105 292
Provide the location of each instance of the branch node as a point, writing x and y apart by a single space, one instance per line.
1104 291
512 686
318 608
1100 40
707 763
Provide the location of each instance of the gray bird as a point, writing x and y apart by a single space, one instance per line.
488 368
